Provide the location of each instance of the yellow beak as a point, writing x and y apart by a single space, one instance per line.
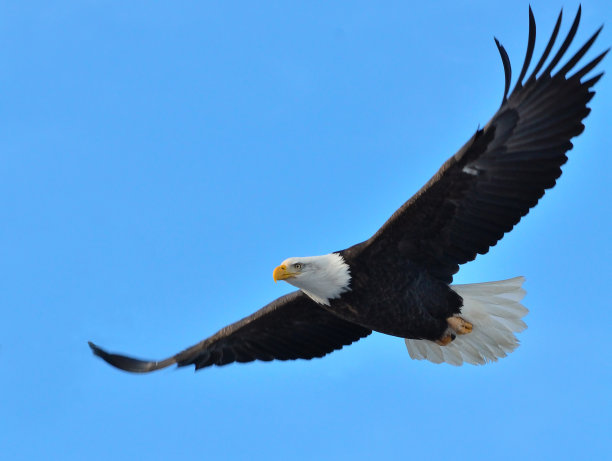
282 273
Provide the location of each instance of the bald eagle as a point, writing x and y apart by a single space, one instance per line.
398 282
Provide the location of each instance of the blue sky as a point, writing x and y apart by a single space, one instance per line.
160 159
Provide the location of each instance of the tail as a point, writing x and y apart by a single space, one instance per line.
495 311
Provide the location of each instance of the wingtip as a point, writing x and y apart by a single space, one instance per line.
507 68
99 352
95 349
130 364
578 13
530 47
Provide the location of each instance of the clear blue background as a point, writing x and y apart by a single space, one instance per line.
159 159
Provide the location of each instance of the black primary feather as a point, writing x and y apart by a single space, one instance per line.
482 191
530 46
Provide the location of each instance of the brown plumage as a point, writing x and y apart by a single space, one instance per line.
401 275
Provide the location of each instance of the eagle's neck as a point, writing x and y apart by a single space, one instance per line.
327 278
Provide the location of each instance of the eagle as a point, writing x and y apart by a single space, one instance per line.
399 281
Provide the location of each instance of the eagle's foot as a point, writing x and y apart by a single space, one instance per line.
446 338
459 325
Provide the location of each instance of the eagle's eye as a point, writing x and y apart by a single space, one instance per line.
298 266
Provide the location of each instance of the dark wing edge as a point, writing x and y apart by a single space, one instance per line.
291 327
482 191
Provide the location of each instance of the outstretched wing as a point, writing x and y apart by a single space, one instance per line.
292 327
482 191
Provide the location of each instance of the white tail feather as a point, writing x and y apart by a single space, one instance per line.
495 311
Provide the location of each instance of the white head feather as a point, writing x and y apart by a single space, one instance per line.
323 278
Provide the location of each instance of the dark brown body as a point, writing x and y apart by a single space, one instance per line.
404 301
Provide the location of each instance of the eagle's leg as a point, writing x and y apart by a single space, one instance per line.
446 338
459 325
456 326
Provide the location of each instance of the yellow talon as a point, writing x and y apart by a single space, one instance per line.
459 325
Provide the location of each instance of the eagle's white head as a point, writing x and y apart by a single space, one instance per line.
323 278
